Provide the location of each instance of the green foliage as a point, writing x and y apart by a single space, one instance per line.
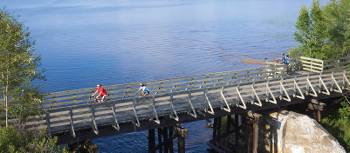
18 68
303 27
19 140
338 124
324 33
25 100
17 60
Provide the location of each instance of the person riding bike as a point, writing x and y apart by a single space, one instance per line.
143 90
285 59
102 93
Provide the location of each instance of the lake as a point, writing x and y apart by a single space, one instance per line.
86 42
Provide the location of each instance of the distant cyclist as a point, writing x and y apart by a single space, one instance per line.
102 93
285 59
143 90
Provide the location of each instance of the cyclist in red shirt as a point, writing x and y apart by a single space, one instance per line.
102 93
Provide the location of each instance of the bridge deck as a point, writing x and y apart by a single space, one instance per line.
70 111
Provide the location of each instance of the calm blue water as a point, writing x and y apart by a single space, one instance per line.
85 42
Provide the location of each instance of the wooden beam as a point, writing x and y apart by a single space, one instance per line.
115 125
211 110
269 94
339 90
227 108
72 124
241 102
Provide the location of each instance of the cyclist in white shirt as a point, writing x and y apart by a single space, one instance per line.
143 90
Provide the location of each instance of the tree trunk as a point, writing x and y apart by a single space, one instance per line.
6 98
6 108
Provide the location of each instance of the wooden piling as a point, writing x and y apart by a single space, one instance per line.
181 135
171 137
151 141
237 131
165 140
316 107
254 136
215 128
228 124
218 128
160 142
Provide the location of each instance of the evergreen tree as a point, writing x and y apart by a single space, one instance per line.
318 43
337 15
311 31
324 33
302 35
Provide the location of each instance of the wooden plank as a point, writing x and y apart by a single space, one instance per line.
311 59
311 67
312 63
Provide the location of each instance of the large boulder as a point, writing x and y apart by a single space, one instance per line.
297 133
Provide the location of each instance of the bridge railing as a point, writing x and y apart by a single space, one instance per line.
342 63
318 65
311 64
126 91
207 98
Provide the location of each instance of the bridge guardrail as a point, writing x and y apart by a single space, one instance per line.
119 92
318 65
312 64
231 95
342 63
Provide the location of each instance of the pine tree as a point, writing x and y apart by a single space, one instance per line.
337 15
318 32
302 35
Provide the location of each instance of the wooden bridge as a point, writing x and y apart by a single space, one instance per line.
70 115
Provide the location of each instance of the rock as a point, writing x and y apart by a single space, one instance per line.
297 133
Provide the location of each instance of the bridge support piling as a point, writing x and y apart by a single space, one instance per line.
228 133
171 138
181 135
218 128
151 141
228 124
215 128
164 138
254 132
85 146
316 107
237 134
273 139
160 143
